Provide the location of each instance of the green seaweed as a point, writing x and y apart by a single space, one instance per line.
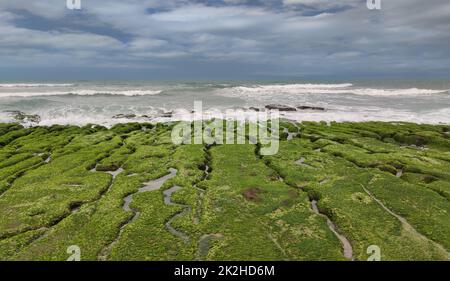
384 184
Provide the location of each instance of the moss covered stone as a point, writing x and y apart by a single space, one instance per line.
385 184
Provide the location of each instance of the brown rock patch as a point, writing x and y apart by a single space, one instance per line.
252 194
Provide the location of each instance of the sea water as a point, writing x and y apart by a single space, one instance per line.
107 103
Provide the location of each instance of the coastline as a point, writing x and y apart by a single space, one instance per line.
224 139
109 103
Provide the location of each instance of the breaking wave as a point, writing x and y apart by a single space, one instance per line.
154 102
28 85
82 93
295 89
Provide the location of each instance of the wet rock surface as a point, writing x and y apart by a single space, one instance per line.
305 107
280 107
23 117
124 116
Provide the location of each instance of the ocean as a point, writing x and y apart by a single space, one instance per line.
108 103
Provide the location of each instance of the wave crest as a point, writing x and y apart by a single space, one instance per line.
297 89
83 93
28 85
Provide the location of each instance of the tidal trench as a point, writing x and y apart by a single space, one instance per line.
148 186
348 251
346 245
73 208
405 224
167 196
205 240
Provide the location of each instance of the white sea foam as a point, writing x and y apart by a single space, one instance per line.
305 86
342 115
28 85
82 93
343 102
396 92
289 87
298 89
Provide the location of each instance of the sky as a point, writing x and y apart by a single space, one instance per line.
223 39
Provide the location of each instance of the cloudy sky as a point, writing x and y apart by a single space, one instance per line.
223 39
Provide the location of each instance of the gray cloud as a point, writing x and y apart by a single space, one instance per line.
277 37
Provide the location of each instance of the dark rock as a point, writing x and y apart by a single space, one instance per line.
254 109
22 117
127 116
167 114
280 107
14 112
304 107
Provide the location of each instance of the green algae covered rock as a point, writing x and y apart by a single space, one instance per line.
331 191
